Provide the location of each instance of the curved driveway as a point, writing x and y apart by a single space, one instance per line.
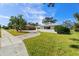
13 45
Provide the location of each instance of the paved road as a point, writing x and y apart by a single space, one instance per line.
13 45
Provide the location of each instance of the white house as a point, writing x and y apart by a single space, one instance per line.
46 26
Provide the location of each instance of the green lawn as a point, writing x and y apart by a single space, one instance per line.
50 44
15 33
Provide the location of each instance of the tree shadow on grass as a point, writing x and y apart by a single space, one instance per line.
74 39
74 46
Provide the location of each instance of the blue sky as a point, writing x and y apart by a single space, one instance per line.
36 12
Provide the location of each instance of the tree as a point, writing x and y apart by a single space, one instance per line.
50 4
21 23
12 22
76 26
10 25
68 23
48 20
36 24
17 22
33 24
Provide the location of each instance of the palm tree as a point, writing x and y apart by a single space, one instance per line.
51 4
48 20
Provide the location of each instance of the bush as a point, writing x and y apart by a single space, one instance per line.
61 29
30 27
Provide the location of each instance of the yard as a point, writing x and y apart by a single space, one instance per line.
51 44
15 33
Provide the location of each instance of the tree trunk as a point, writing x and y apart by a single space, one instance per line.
20 29
17 30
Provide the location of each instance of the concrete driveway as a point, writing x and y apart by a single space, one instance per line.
13 45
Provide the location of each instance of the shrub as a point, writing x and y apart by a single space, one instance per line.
61 29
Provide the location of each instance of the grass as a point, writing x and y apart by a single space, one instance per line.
51 44
15 33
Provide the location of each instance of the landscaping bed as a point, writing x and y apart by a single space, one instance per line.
52 44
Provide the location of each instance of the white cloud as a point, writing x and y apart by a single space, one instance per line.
1 16
34 12
8 4
40 19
